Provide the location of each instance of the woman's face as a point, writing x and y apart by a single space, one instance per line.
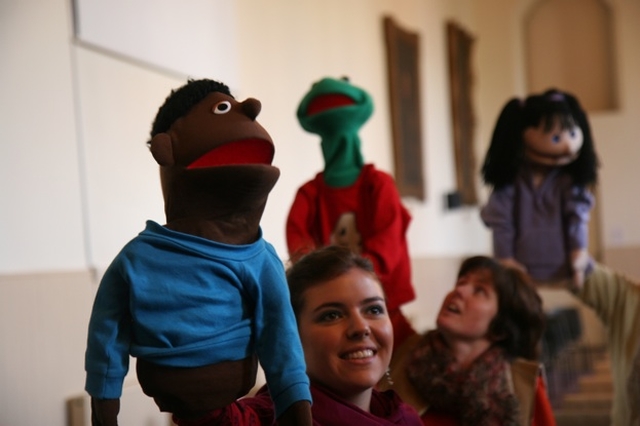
467 311
346 333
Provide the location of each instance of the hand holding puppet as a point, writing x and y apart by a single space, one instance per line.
541 164
199 300
351 203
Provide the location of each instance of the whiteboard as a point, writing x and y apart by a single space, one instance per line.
191 38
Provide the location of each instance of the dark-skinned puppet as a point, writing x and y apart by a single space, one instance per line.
199 300
351 203
541 165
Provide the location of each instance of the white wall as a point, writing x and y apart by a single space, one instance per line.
106 105
501 76
43 322
77 181
41 219
101 184
351 43
156 32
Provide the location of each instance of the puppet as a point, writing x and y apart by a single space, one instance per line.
351 203
541 164
200 300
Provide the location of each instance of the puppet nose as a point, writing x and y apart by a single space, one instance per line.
251 107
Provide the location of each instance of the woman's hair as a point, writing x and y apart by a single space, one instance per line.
519 322
506 151
320 266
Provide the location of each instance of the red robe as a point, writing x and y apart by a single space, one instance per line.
386 409
380 219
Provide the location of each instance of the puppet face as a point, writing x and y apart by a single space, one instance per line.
218 131
554 146
334 106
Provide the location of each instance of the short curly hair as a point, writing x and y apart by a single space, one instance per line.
181 100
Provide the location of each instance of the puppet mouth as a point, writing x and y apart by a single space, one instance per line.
324 102
247 151
551 159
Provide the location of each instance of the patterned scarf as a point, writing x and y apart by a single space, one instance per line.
478 396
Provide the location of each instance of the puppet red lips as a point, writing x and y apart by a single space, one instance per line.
248 151
325 102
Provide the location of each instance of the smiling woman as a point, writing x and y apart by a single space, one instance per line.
347 339
344 327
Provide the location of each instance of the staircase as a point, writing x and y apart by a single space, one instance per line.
589 402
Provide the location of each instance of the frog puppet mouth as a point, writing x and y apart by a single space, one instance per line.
246 151
329 101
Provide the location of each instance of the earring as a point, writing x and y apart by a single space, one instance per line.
387 375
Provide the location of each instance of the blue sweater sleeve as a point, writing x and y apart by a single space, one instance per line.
278 342
107 354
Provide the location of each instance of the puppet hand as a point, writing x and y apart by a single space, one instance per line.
298 414
510 262
579 262
104 412
346 233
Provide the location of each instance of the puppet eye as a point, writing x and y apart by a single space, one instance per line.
222 107
555 138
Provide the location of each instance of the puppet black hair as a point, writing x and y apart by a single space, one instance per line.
506 152
180 101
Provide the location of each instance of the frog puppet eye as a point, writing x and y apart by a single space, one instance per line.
222 107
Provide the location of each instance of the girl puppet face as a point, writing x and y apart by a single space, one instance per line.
346 333
468 309
553 145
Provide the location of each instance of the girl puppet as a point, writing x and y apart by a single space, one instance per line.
541 163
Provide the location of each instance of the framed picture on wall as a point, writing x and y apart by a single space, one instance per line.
460 84
402 48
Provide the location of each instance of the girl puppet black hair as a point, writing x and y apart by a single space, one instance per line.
541 164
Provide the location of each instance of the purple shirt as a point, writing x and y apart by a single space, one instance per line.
539 227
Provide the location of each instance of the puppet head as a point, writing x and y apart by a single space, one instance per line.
550 130
336 110
334 106
215 161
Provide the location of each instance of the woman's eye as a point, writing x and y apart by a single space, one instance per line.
328 316
222 107
480 290
376 309
572 133
555 138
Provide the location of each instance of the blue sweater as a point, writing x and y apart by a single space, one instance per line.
179 300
